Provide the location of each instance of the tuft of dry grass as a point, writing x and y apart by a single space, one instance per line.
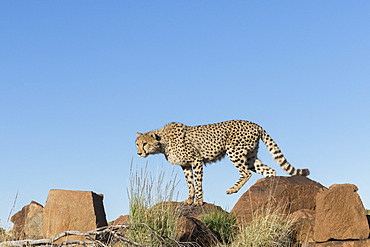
269 228
222 224
146 191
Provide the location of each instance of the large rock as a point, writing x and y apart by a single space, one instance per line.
123 219
304 223
183 209
340 214
287 193
190 229
72 210
28 222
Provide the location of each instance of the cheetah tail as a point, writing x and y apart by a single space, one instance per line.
279 157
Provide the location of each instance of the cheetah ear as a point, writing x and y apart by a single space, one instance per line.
155 136
138 134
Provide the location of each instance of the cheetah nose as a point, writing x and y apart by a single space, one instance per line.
142 155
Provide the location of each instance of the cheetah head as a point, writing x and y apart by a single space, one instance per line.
148 143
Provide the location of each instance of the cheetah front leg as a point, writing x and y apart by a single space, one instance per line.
188 172
198 176
197 167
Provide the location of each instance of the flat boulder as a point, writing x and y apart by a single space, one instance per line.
28 222
340 214
72 210
286 193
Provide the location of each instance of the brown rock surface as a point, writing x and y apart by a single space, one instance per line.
123 219
340 214
28 222
190 229
348 243
291 193
304 222
183 209
72 210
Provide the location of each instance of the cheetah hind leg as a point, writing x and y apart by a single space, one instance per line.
255 165
244 174
262 169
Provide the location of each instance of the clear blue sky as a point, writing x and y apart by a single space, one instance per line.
78 79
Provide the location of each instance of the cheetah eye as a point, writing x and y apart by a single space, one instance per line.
144 144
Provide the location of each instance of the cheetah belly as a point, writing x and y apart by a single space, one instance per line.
182 155
176 160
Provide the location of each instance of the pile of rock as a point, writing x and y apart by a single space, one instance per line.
323 217
340 215
64 210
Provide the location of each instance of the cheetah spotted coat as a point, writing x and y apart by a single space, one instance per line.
191 147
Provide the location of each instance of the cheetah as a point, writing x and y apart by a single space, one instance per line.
192 146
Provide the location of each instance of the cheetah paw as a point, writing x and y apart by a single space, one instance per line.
188 201
231 190
200 203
